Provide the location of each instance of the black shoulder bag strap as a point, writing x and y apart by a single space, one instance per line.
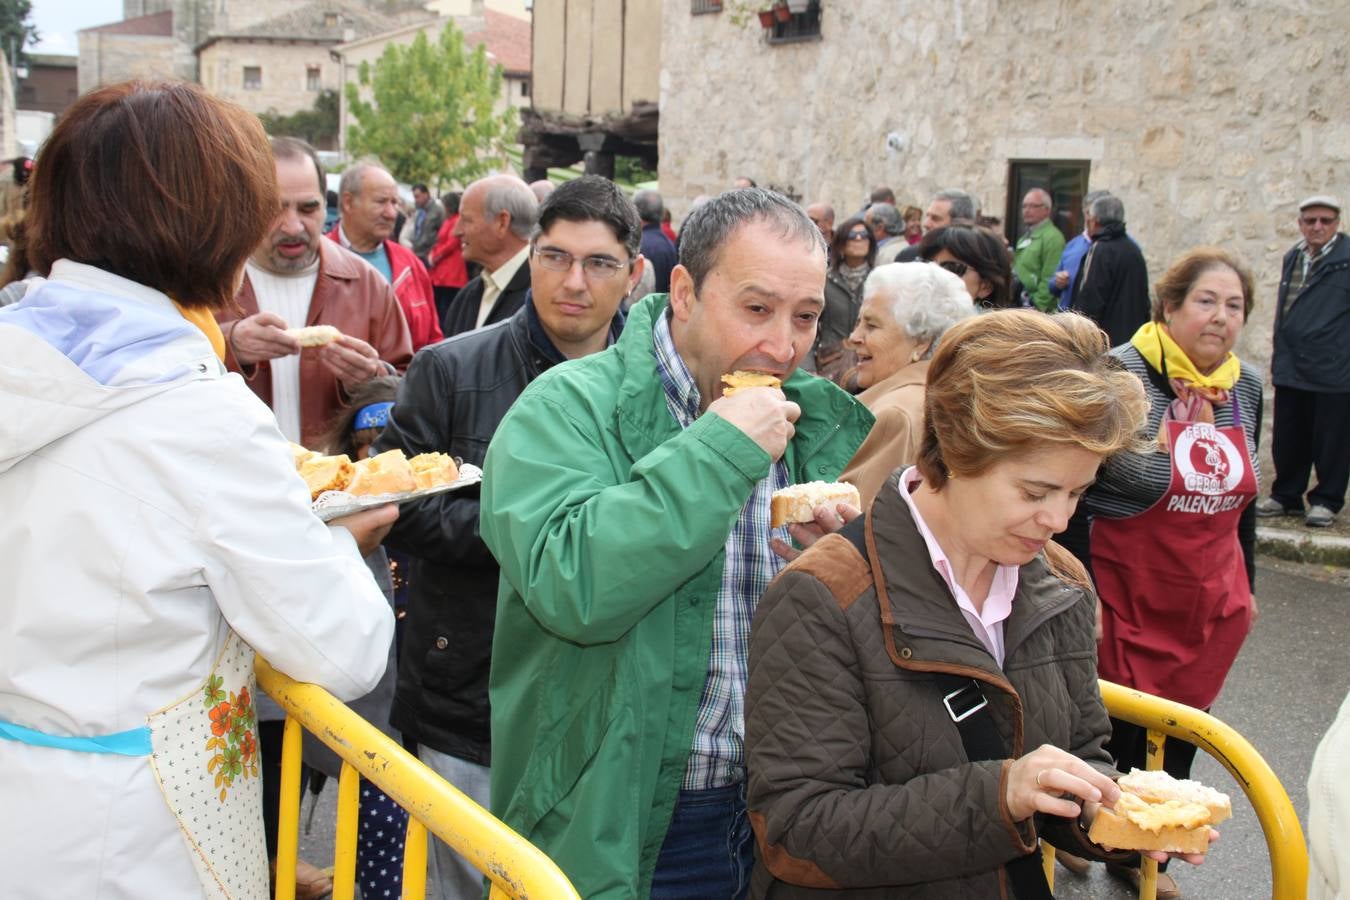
968 708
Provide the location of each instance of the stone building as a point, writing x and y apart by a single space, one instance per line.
282 64
162 38
1211 119
8 140
597 78
139 47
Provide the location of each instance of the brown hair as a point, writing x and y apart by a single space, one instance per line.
339 437
1015 380
157 182
1171 290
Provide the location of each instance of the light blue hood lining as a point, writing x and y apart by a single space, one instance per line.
117 341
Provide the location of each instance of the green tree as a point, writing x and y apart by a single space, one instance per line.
430 117
314 125
16 32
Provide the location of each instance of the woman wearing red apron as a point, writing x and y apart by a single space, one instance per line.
1172 533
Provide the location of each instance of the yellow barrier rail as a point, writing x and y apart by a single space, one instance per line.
517 868
1164 718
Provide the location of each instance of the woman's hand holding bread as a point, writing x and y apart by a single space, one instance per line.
1047 779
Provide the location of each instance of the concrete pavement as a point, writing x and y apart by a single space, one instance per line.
1282 694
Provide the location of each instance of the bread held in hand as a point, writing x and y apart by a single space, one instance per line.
798 502
1158 812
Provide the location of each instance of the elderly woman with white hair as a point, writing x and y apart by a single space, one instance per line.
906 308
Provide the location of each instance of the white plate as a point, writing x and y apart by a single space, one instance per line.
331 505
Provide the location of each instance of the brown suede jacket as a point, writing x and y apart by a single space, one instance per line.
859 782
353 297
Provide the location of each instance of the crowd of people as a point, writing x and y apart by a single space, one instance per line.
607 642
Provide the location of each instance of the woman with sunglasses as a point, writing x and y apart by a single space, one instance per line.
852 256
976 255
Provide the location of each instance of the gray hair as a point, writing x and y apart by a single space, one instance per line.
350 183
925 300
514 196
1108 210
1091 197
888 217
1049 201
711 226
649 205
962 204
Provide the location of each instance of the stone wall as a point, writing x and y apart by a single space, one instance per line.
110 58
1210 119
284 68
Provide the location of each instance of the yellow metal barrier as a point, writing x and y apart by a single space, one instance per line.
1164 718
517 868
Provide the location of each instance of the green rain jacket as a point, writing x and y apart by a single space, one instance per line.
609 522
1036 261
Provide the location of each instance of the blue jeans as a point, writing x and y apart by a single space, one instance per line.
709 850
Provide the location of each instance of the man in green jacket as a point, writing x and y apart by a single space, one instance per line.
1038 251
627 501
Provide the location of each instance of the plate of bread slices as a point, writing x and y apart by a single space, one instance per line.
1158 812
339 487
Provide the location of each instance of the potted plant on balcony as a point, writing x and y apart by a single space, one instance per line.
781 11
766 18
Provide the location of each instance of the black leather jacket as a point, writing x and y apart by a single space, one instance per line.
455 394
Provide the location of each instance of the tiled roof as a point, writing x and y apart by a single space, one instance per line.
158 24
507 38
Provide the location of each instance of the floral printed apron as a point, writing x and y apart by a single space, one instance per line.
205 758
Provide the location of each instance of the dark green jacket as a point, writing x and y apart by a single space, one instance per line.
609 522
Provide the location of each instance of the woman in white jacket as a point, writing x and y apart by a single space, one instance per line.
154 533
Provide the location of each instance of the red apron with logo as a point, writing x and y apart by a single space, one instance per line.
1176 603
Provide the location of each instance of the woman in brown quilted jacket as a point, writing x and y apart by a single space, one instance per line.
946 602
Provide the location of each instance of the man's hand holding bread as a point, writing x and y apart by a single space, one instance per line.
263 336
759 410
259 337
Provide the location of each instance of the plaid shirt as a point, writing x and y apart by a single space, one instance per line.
717 757
1303 267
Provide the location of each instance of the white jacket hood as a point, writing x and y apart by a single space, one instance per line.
83 344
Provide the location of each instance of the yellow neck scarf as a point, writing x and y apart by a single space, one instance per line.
206 321
1155 345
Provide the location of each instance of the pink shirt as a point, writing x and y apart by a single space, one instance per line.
987 624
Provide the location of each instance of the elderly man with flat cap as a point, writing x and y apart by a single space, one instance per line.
1311 369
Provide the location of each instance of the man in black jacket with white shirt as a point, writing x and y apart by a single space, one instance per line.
583 260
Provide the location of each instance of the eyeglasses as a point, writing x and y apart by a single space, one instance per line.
955 266
857 235
597 267
1319 220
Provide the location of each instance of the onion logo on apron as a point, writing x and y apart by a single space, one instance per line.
1207 459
